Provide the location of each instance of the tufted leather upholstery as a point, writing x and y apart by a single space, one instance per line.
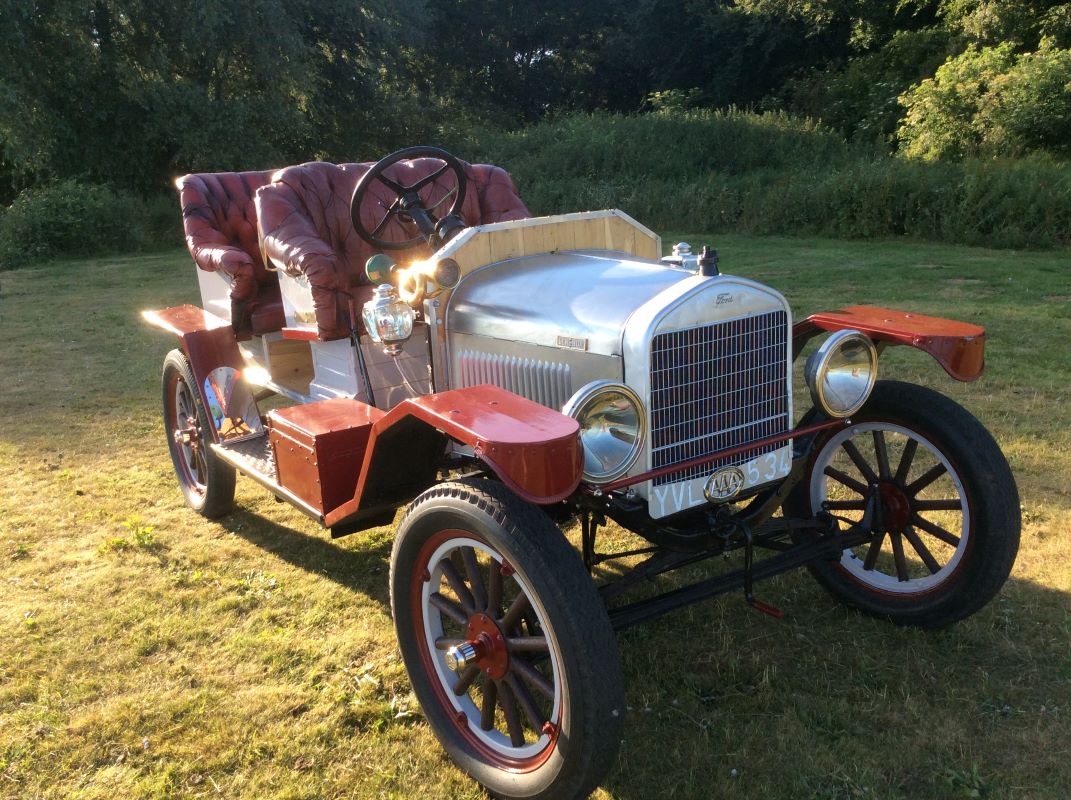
305 225
219 219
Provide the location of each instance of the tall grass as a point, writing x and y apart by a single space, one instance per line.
773 174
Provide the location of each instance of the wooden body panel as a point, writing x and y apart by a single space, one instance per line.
319 449
588 230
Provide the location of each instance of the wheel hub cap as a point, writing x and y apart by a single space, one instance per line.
895 507
485 646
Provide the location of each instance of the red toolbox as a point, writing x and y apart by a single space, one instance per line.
319 448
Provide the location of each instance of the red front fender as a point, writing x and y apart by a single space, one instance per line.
959 347
534 450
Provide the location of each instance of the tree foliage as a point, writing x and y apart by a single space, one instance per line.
130 93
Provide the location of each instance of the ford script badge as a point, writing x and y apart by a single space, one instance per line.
724 484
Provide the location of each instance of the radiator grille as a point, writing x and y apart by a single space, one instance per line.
545 382
717 386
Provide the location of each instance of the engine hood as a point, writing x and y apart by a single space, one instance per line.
574 300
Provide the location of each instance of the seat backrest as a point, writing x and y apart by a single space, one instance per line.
311 202
497 195
220 222
306 227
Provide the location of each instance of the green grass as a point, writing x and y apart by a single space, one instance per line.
146 652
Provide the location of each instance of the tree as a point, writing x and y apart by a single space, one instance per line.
132 92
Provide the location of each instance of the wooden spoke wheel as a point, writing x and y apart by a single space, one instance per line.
507 643
206 482
946 510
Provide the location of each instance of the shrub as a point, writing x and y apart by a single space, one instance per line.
989 102
773 174
69 218
942 111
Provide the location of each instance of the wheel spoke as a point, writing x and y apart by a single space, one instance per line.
513 616
472 569
533 676
464 681
527 702
898 557
450 608
935 530
844 505
391 211
443 199
905 460
882 453
446 642
922 550
494 589
860 462
874 551
457 583
952 504
513 719
926 479
528 644
847 480
487 708
200 466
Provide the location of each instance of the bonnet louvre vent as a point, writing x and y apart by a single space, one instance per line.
544 382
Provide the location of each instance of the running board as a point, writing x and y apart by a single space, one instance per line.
252 457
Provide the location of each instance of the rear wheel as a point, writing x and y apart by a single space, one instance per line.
507 643
207 483
946 527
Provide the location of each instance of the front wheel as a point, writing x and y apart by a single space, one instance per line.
945 527
507 644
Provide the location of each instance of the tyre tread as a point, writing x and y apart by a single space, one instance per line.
975 451
542 543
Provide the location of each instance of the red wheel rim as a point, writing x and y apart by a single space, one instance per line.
911 478
510 706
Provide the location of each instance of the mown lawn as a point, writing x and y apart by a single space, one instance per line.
146 652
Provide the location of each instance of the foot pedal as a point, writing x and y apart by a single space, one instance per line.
749 595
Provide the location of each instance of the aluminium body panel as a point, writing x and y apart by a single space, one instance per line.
521 323
565 300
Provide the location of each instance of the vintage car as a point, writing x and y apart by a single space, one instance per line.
506 379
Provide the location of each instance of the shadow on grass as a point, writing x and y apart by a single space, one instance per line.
761 708
362 568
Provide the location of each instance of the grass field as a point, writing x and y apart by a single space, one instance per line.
146 652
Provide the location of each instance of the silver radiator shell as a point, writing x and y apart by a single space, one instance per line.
692 304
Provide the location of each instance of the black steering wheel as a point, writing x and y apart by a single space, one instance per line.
407 205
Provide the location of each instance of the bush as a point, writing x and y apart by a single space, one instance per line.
773 174
69 218
990 102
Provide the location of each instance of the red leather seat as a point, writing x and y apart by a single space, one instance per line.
219 219
305 226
